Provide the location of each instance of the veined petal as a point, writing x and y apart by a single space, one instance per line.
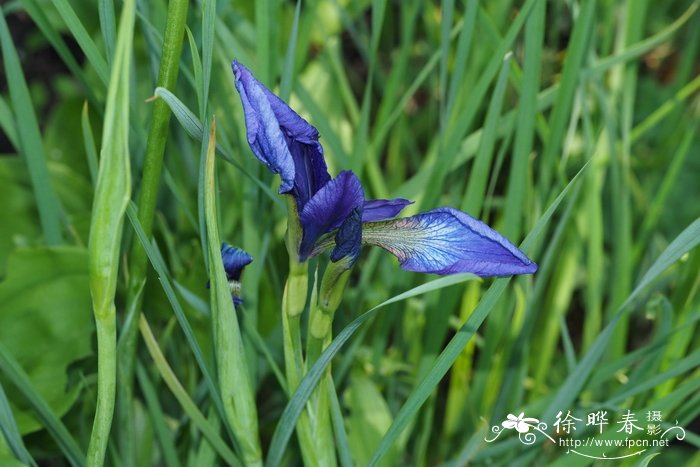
379 209
329 208
234 260
448 241
281 139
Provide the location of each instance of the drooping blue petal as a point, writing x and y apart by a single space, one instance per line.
379 209
448 241
281 139
234 260
329 208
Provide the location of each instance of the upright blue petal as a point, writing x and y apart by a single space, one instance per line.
234 260
329 208
286 143
263 131
448 241
311 172
379 209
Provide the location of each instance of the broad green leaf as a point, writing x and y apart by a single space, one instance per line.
18 216
45 301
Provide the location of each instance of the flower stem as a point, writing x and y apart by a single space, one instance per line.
293 300
148 194
293 303
335 278
106 327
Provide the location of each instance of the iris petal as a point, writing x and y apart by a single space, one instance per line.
263 131
329 208
311 172
379 209
281 139
234 260
348 240
448 241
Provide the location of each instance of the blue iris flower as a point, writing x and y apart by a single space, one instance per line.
234 260
333 212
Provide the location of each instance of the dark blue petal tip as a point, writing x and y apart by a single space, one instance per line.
379 209
234 260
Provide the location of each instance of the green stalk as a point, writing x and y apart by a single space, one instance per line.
112 193
335 278
293 301
235 385
150 182
105 325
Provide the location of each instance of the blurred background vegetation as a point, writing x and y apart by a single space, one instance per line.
494 107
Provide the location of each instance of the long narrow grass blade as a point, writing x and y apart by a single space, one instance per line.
208 34
182 397
7 123
473 199
10 431
525 129
571 75
569 390
193 127
235 385
14 373
288 70
640 48
161 270
27 129
108 25
163 433
89 142
82 37
38 14
466 115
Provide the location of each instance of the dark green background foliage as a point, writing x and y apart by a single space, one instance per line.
570 125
